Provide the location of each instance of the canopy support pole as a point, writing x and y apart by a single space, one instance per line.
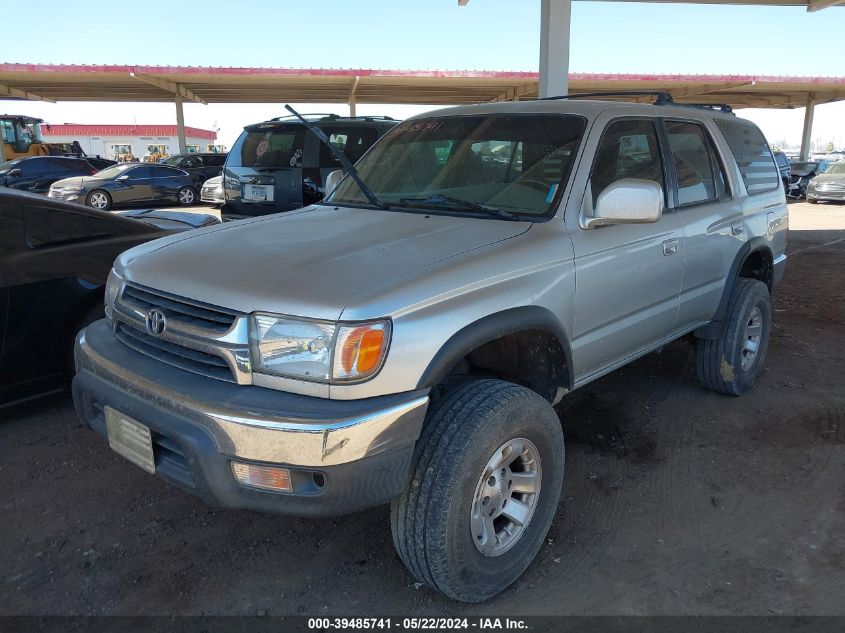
807 134
180 125
555 18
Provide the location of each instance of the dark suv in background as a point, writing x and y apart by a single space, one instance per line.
783 168
200 166
279 165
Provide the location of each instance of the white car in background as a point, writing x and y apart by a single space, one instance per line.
212 192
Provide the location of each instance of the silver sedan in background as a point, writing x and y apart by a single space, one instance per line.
829 185
212 191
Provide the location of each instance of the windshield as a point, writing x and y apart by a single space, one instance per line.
513 162
837 168
114 171
804 168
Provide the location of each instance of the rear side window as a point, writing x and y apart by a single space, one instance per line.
691 157
752 154
271 147
352 141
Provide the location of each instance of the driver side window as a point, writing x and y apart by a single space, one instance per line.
628 149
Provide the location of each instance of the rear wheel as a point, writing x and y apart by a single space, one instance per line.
186 197
99 199
485 485
731 363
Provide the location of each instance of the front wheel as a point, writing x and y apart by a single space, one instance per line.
485 485
98 199
186 197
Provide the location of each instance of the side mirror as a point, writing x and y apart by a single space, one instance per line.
14 172
124 177
627 201
333 180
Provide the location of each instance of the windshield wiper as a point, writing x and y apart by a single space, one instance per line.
439 200
341 157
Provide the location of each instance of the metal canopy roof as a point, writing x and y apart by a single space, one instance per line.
320 85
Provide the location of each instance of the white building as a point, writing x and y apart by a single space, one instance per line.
115 141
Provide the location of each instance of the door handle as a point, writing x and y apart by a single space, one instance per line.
670 247
738 228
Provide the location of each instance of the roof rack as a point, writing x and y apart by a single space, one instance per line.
318 115
721 107
663 97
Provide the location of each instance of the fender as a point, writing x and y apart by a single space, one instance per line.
713 330
490 328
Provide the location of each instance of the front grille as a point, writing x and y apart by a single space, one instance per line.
190 314
185 358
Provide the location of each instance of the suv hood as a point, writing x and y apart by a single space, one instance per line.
312 263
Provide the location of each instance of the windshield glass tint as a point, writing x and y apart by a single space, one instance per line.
270 147
838 168
514 162
804 167
11 164
113 171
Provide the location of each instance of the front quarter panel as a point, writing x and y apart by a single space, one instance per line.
430 305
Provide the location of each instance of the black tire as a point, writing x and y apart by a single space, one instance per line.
430 521
186 197
98 194
724 364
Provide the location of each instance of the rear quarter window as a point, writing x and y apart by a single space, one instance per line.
271 147
752 154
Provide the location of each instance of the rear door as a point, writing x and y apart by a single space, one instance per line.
628 276
136 187
167 181
711 217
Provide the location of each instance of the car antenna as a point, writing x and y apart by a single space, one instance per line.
340 156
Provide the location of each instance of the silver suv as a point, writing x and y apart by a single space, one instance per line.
405 340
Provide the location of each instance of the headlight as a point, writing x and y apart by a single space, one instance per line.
321 351
114 284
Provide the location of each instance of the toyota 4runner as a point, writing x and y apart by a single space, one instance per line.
405 340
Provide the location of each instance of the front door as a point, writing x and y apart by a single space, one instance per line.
627 276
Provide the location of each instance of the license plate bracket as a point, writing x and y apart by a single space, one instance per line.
130 439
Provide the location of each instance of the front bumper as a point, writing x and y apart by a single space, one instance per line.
344 456
68 196
833 196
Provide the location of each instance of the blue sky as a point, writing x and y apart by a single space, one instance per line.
433 34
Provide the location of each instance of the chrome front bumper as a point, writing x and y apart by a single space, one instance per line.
272 426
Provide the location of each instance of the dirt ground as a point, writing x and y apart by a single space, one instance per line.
676 500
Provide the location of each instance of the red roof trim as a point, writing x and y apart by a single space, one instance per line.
76 129
370 72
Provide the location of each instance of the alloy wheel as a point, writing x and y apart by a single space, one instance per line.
751 338
505 497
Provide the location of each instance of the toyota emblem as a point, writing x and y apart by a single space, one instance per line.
155 322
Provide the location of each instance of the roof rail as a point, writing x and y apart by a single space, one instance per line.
663 97
721 107
321 115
